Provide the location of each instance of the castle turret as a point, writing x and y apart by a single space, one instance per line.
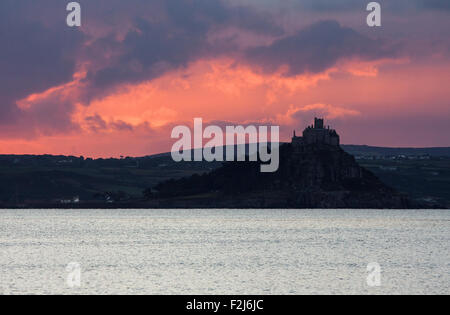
317 134
318 123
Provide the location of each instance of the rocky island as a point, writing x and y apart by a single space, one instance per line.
314 172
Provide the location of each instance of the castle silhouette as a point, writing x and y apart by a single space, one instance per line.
317 134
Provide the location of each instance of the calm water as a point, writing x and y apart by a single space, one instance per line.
224 251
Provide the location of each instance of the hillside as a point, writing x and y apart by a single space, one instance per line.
321 176
41 180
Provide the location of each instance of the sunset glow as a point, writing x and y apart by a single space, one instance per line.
114 92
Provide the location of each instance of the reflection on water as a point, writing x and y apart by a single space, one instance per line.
223 251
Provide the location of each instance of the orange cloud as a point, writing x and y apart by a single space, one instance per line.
137 119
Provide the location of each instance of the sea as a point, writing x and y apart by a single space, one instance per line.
257 252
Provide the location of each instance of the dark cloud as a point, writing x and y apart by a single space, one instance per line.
435 4
97 124
138 40
332 5
39 51
121 125
33 58
204 15
152 48
317 48
352 5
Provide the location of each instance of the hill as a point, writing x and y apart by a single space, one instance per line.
46 180
320 176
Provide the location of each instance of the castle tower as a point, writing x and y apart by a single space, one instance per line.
318 123
317 134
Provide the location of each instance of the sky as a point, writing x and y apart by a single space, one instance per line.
117 85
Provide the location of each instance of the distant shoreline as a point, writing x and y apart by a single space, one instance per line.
55 182
439 151
158 205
